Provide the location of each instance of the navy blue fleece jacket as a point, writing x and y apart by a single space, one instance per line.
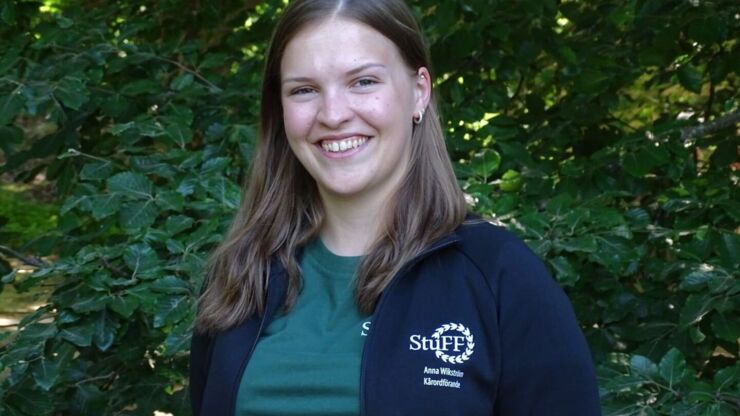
472 326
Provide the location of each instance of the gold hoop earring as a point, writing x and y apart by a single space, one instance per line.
417 120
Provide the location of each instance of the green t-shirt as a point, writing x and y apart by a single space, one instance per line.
308 361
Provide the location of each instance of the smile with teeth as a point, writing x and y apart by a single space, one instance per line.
337 146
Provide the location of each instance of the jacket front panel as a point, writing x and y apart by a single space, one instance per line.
217 363
229 352
432 347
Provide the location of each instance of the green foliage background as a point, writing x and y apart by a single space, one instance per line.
574 123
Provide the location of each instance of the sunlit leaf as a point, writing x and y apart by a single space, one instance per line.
643 366
130 184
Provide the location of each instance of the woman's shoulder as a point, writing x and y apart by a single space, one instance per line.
481 235
495 250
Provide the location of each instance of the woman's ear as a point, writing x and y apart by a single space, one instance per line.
422 89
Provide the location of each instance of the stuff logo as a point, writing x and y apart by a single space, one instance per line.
452 343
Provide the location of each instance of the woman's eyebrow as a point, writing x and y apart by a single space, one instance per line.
364 67
354 71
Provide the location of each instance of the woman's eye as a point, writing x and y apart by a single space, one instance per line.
301 91
366 82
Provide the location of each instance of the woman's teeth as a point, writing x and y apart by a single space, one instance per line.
337 146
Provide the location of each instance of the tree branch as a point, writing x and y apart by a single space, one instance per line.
31 261
186 69
97 378
709 127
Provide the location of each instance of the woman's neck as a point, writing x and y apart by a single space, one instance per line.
352 225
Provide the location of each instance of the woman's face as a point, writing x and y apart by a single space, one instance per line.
348 101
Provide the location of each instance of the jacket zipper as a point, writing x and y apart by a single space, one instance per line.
373 327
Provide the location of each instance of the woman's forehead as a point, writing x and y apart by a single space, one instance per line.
338 44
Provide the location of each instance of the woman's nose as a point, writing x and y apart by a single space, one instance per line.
335 109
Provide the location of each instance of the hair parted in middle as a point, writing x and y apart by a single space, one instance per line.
281 209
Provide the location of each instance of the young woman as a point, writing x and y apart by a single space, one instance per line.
351 281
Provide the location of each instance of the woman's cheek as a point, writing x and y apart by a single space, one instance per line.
297 120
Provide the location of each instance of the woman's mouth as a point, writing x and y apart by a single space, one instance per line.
343 145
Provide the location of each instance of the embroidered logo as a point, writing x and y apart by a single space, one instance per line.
452 343
460 358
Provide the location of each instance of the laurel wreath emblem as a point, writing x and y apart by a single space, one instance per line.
455 359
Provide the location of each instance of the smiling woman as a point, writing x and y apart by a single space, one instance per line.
348 102
351 281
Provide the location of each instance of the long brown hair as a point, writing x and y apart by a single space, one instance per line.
281 209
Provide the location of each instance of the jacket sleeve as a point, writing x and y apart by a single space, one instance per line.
546 364
199 346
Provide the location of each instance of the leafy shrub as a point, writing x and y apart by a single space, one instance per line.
29 218
601 132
